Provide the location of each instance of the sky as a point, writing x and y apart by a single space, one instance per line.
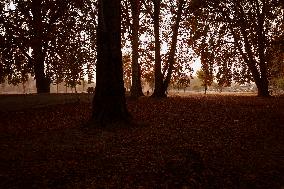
196 65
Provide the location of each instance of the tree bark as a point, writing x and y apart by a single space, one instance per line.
161 84
259 75
159 89
109 103
38 57
171 59
42 82
263 87
136 87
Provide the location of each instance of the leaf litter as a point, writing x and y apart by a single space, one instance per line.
192 142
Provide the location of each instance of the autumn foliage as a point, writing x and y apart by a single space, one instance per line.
193 142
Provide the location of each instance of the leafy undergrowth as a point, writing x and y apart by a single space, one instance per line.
194 142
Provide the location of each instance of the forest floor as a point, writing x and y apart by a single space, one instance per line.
199 141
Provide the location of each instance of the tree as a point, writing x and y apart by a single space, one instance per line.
16 67
182 83
109 103
25 28
158 91
206 59
35 28
132 23
276 63
162 80
206 77
249 27
182 73
170 23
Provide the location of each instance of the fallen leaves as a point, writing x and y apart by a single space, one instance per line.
194 142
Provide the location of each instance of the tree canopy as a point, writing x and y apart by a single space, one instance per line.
240 34
52 40
55 41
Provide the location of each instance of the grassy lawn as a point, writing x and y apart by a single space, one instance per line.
197 141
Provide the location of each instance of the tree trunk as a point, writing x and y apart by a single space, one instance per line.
171 59
262 87
136 87
161 85
42 82
159 88
259 74
109 103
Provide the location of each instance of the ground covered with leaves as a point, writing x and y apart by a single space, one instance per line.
190 142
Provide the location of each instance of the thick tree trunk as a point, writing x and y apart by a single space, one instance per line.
159 85
42 82
109 103
262 87
136 87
